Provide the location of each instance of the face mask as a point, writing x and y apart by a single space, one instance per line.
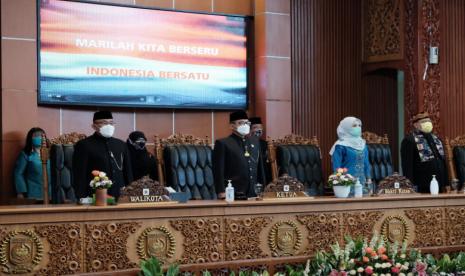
426 127
258 133
37 141
356 131
243 130
107 131
138 144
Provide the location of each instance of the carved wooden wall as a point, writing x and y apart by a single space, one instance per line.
96 246
429 31
410 66
383 24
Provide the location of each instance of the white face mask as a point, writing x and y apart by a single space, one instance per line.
107 131
243 130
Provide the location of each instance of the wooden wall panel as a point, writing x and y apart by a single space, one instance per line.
379 89
327 83
326 76
452 64
19 88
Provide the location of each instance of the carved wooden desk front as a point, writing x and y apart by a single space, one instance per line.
65 239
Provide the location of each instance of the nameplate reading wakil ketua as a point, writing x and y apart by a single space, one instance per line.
395 184
143 190
285 187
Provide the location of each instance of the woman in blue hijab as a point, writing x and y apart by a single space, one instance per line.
350 151
28 170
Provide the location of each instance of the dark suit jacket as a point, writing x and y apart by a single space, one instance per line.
230 162
94 153
420 173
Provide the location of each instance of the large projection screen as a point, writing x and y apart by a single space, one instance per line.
110 55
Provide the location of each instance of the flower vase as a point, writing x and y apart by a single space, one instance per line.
101 197
341 191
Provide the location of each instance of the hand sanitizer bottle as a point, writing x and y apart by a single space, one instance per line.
434 186
358 189
229 192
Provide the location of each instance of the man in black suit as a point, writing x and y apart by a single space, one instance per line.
104 153
423 155
238 158
256 129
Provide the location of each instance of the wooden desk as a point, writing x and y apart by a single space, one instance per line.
66 239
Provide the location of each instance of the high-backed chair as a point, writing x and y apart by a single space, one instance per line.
380 156
61 167
187 163
455 154
298 157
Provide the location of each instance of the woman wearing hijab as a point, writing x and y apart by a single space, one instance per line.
143 163
28 169
350 150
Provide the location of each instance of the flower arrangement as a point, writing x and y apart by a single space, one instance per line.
378 257
341 178
100 180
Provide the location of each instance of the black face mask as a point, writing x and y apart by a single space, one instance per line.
139 144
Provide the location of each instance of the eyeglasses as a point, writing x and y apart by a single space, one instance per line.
242 123
100 123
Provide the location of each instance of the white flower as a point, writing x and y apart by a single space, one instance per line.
335 182
377 265
401 274
402 256
406 264
410 274
388 274
352 272
404 267
388 264
360 269
102 174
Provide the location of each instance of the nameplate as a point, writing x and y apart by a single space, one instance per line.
396 191
284 194
147 198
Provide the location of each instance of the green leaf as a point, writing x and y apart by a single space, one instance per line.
173 270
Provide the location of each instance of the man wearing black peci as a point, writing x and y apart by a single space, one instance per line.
238 158
104 153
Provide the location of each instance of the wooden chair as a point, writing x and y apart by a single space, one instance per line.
61 167
455 161
298 157
380 156
185 164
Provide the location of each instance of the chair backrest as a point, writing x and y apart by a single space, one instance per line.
298 157
455 154
187 165
61 167
380 156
